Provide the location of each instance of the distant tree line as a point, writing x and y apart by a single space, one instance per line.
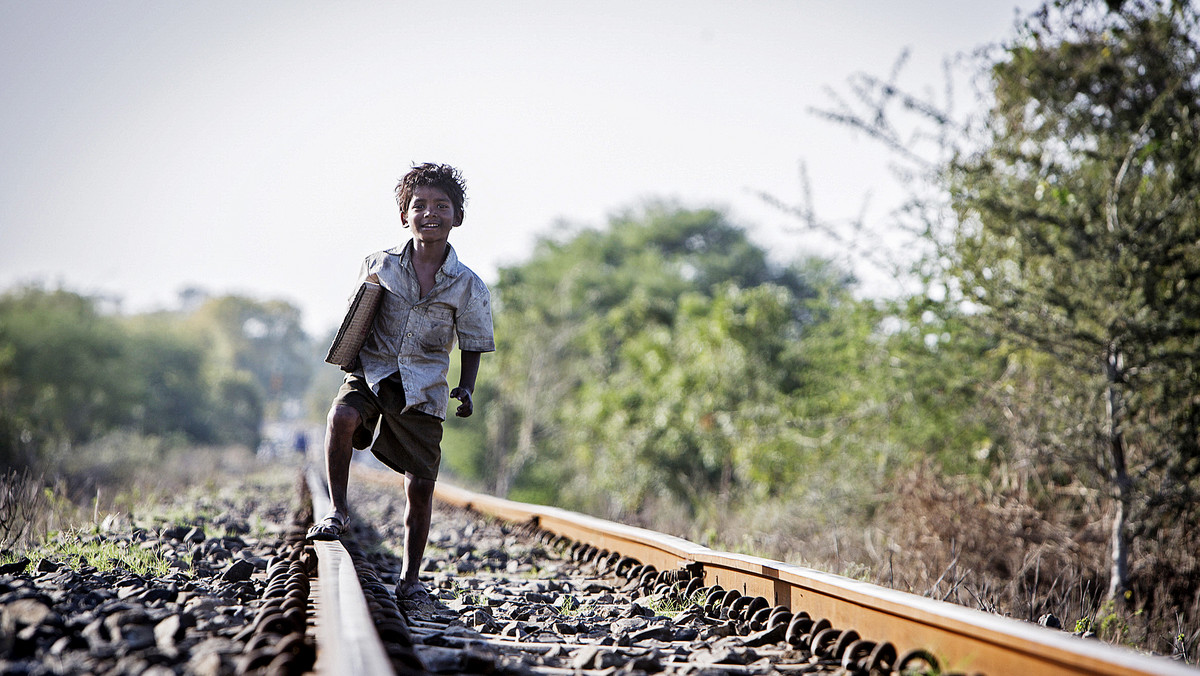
70 372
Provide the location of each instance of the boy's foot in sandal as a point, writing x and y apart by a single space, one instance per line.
329 528
412 591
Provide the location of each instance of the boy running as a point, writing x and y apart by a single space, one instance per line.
398 384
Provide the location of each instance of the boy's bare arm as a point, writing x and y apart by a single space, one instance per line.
469 369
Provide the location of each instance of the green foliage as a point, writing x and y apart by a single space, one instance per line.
167 371
664 361
61 372
70 373
263 339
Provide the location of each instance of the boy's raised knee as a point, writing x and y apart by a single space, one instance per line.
343 418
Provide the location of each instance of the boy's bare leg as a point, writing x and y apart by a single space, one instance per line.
417 514
339 434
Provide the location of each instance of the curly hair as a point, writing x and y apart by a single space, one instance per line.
442 176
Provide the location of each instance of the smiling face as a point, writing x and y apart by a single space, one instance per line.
430 214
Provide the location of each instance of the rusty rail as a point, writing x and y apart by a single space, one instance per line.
347 641
961 638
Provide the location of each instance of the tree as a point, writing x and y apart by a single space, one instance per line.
1060 226
262 338
168 372
654 360
61 368
70 373
1079 233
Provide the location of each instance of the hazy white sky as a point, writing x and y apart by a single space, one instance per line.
253 147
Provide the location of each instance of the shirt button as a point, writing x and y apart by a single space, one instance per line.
410 334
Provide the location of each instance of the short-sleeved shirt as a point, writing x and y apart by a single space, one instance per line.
413 335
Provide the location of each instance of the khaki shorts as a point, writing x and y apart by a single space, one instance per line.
408 442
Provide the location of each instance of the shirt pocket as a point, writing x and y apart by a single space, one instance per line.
439 329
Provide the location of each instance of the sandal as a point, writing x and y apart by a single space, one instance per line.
329 528
413 591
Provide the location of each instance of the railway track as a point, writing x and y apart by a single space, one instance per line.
525 589
516 589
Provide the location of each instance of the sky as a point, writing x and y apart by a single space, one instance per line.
252 148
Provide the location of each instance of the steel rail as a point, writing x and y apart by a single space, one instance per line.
347 642
961 638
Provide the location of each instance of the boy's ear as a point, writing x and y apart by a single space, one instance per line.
458 218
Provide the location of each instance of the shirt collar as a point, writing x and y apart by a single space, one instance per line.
449 267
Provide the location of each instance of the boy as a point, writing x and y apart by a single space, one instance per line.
399 382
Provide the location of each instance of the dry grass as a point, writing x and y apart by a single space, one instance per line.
997 550
28 509
109 479
1023 556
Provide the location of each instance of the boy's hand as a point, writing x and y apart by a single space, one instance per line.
466 408
352 366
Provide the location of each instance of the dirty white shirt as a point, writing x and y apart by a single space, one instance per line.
414 335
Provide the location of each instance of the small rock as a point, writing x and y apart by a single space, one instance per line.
120 620
482 620
68 643
26 613
206 664
238 571
125 591
638 610
218 554
766 637
629 625
656 633
593 657
97 633
728 628
565 628
137 636
515 630
15 567
175 532
650 661
168 631
156 594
